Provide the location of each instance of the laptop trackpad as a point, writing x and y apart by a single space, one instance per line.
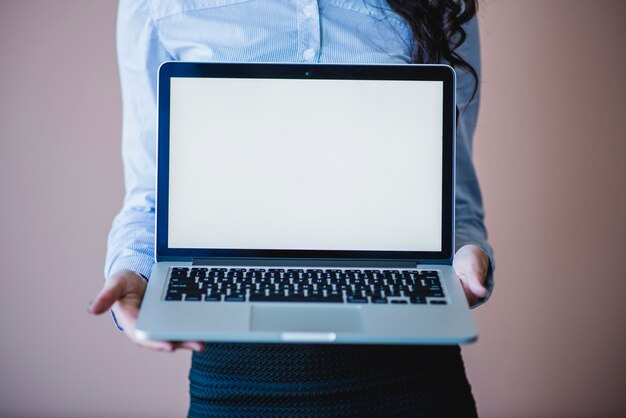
306 319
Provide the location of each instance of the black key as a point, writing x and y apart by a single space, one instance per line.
181 276
235 298
399 302
212 298
176 296
418 300
416 294
182 285
193 297
325 299
235 275
293 298
438 302
179 285
276 298
354 299
393 291
356 281
379 299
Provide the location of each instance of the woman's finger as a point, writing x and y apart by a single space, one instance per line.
471 299
123 293
126 315
196 346
127 318
475 285
110 293
166 346
471 264
128 323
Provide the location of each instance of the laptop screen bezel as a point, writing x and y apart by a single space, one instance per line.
442 73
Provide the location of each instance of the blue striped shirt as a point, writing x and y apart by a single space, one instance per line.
325 31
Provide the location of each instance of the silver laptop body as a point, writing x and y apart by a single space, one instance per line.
305 203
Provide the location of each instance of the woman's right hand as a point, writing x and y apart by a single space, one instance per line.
123 293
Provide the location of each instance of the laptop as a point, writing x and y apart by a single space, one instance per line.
305 203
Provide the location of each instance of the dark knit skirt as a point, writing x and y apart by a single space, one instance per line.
329 380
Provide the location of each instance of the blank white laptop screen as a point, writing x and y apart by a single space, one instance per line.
305 164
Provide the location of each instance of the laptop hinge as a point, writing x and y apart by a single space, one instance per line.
317 262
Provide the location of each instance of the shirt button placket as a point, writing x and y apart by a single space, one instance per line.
308 30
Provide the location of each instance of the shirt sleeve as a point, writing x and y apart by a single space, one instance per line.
131 239
469 213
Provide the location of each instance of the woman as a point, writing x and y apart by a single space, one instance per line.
275 379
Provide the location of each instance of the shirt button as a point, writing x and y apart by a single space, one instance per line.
308 10
308 54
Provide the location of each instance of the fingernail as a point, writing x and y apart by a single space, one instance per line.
89 305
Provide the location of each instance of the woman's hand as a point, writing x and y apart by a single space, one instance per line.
123 293
471 265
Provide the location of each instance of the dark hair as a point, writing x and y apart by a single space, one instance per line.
437 27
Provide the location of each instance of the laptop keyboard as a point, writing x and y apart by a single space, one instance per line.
196 284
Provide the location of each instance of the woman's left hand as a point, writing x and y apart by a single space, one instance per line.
472 265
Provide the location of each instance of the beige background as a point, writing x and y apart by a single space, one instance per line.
550 151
